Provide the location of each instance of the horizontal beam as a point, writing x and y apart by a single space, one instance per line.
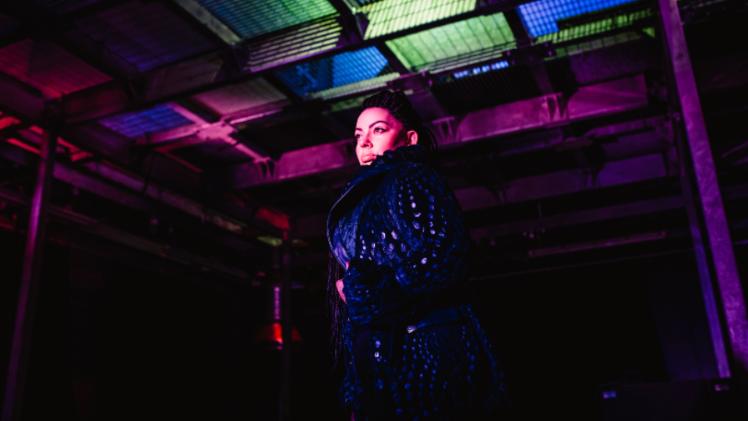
579 217
616 173
546 111
134 192
123 238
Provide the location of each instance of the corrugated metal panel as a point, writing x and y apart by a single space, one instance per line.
155 119
455 44
598 26
331 72
541 17
251 18
255 93
294 44
143 35
603 42
49 68
388 16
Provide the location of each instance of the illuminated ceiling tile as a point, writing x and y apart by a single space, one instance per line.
388 16
331 72
598 26
541 17
159 118
603 42
460 42
251 94
251 18
294 44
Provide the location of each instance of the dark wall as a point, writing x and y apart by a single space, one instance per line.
123 336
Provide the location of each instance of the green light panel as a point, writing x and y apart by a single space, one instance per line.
347 104
597 43
457 43
388 16
597 27
251 18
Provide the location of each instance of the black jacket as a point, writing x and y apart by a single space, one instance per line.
414 346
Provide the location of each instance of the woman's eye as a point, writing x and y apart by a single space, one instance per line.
379 130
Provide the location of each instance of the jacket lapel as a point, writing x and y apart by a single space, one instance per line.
356 188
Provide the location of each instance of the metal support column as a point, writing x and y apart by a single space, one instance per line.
286 328
28 291
715 226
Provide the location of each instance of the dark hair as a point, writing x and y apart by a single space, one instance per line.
398 105
336 310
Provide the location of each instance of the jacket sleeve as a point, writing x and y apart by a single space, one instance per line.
426 248
429 236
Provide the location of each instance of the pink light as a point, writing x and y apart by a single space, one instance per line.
15 142
8 122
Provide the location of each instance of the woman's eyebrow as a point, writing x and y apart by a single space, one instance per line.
378 121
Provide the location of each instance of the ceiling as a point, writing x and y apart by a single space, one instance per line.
551 115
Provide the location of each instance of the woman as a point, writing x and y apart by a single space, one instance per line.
411 345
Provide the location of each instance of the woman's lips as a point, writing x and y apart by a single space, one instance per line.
368 157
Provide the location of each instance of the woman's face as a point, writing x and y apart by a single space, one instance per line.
378 131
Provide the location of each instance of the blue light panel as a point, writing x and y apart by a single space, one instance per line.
540 17
152 120
329 72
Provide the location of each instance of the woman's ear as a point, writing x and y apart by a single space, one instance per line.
411 137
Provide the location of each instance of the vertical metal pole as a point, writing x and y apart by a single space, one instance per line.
722 367
285 386
27 295
717 233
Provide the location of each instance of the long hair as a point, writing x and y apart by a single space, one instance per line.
336 308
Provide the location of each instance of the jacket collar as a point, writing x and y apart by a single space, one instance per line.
383 164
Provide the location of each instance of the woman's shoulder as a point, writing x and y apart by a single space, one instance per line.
414 176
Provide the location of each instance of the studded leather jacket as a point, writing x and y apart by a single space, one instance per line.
413 346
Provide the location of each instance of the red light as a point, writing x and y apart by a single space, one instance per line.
15 142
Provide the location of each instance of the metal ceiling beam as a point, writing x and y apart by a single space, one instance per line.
117 236
587 216
219 131
616 173
564 182
588 102
532 57
137 193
